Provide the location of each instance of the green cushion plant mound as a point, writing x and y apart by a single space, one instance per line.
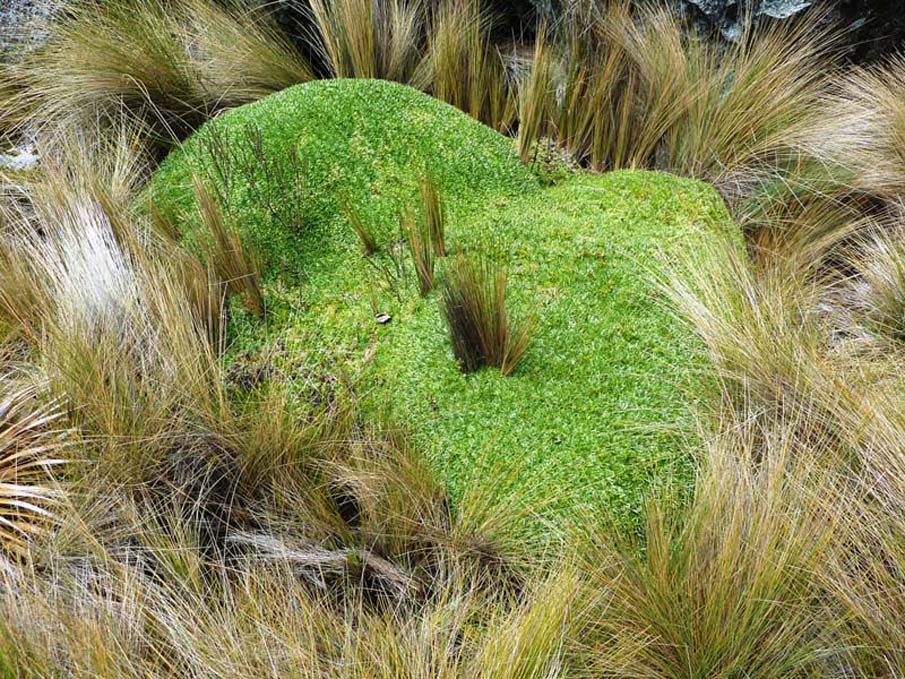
599 406
347 142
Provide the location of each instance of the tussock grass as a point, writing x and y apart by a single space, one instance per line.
859 133
724 586
246 163
8 91
866 580
240 53
366 39
464 68
878 289
474 305
126 55
30 446
739 312
745 105
793 375
636 88
170 65
268 624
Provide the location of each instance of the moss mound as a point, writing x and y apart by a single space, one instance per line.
357 142
598 409
600 406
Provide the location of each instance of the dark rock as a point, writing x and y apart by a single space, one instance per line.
874 28
728 16
877 27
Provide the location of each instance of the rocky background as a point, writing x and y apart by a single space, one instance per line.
22 24
875 28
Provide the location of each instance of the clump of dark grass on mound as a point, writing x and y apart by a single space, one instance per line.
596 408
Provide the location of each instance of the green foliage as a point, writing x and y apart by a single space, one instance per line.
361 142
596 407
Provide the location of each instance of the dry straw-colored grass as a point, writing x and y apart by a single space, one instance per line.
31 445
366 39
170 65
215 526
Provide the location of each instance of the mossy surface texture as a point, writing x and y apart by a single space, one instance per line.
360 142
599 407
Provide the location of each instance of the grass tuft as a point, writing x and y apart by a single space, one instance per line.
722 585
170 65
474 305
536 97
367 39
422 247
29 448
433 210
464 68
230 257
362 229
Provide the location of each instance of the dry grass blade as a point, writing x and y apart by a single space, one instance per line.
859 131
367 39
362 229
170 65
877 292
433 210
422 247
464 68
639 89
474 305
29 448
536 96
103 59
346 28
740 313
231 258
239 52
866 578
724 587
594 117
21 301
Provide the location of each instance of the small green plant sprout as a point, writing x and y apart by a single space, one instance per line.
474 305
420 239
362 229
433 210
